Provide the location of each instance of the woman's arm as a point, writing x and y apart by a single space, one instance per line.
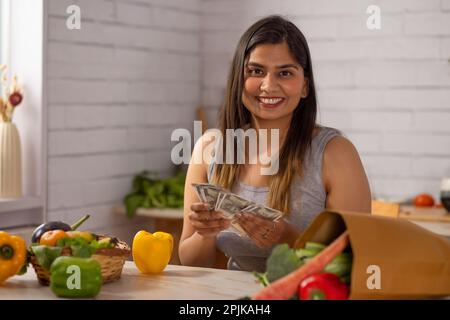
344 177
347 189
195 249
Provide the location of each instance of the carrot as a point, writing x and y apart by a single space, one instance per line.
284 288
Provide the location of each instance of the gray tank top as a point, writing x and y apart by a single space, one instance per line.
308 198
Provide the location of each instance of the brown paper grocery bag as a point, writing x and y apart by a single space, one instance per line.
413 262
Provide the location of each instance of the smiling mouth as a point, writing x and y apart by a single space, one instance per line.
270 102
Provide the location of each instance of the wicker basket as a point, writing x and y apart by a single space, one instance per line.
111 262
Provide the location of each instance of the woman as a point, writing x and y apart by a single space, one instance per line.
271 86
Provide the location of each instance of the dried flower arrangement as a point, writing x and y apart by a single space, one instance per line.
12 95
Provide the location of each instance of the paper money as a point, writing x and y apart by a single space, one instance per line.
229 203
263 211
198 192
207 192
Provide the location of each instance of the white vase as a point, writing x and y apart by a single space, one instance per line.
10 161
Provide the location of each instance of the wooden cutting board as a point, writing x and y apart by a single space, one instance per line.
424 214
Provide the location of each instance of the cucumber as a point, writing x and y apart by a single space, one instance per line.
315 246
342 259
305 253
339 269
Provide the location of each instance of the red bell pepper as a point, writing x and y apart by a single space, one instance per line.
323 286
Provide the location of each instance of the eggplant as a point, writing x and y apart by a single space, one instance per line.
55 225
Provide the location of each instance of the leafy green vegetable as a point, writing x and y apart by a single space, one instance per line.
148 191
101 245
134 201
81 248
281 262
261 277
45 255
23 270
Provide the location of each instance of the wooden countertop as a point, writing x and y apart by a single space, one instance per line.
436 220
175 283
431 214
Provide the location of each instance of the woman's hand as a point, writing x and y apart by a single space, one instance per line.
263 232
205 221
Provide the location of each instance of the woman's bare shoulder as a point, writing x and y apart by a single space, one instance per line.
339 148
344 177
341 161
340 155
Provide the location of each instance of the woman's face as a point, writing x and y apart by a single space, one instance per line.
274 82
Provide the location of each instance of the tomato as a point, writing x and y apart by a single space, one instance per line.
50 238
423 200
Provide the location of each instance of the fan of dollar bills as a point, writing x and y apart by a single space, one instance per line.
230 204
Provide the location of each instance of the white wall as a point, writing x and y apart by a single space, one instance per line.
116 89
387 90
138 68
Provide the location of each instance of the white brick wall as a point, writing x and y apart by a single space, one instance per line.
387 90
116 90
138 68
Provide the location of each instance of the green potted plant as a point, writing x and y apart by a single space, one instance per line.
150 191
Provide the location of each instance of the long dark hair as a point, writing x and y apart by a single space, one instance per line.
233 115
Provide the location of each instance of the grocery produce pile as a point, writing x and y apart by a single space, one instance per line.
63 258
77 263
332 283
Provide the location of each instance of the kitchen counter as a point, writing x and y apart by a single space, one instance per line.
436 220
441 228
175 283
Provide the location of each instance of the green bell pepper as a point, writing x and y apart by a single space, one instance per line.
74 277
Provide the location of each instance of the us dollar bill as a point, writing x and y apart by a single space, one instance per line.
229 203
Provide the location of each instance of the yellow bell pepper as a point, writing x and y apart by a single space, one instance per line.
152 252
13 253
